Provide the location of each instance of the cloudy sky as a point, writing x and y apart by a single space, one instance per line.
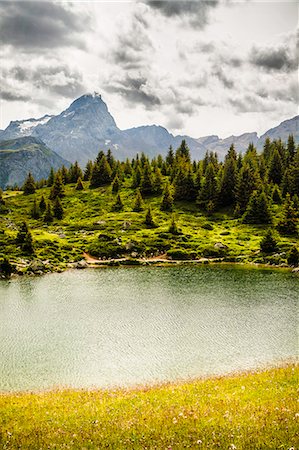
198 68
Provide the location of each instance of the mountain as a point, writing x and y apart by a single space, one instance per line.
282 131
27 154
87 126
81 130
20 128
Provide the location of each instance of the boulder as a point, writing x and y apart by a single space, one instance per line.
36 266
220 245
81 264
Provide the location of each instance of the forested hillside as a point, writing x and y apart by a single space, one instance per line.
243 209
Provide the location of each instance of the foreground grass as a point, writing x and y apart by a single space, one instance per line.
248 411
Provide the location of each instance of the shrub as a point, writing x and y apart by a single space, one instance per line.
268 244
293 257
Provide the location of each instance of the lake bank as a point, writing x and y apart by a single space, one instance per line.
246 411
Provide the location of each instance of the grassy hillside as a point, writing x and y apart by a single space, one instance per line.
249 411
91 225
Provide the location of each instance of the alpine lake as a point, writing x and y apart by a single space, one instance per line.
99 328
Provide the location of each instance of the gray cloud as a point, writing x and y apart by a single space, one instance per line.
36 26
274 59
12 96
252 103
134 90
197 12
227 82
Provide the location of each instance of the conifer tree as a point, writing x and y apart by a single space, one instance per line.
275 171
184 186
293 257
42 204
79 185
101 174
209 191
276 195
127 168
87 171
247 183
173 228
29 186
118 205
291 149
288 224
6 268
258 210
57 189
115 185
22 232
110 159
50 180
183 152
74 173
64 174
100 156
35 211
268 243
138 205
158 181
48 216
170 157
167 199
227 195
147 184
58 209
24 238
137 175
149 220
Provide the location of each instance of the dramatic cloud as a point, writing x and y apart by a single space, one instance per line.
197 12
33 25
12 96
274 58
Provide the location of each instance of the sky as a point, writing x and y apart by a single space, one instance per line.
195 67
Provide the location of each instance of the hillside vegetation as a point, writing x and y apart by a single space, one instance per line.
244 209
251 411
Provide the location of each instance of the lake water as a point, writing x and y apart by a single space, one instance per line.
122 326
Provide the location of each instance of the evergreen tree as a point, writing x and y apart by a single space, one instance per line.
118 205
149 220
208 193
58 209
75 172
137 175
24 238
268 243
48 216
293 187
184 186
147 184
275 171
183 152
247 183
276 195
87 171
57 189
35 211
258 210
138 205
29 186
115 185
79 185
50 180
167 199
128 168
110 159
158 181
42 204
291 149
170 157
100 156
293 257
288 224
64 174
228 182
101 174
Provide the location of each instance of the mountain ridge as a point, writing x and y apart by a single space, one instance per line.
86 126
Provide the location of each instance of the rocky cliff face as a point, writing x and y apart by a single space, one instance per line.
21 128
23 155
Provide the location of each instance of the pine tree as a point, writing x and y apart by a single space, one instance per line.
87 171
64 174
75 172
276 195
183 152
149 220
227 195
209 191
29 186
118 205
128 168
138 205
288 224
110 159
184 186
58 209
115 185
158 181
275 171
170 157
79 185
42 204
6 268
57 189
24 238
247 183
35 211
137 175
291 149
167 199
258 210
268 243
101 174
147 184
50 180
48 216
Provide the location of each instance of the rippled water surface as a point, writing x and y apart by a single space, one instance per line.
134 325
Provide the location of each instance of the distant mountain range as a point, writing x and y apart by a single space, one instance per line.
27 154
86 127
